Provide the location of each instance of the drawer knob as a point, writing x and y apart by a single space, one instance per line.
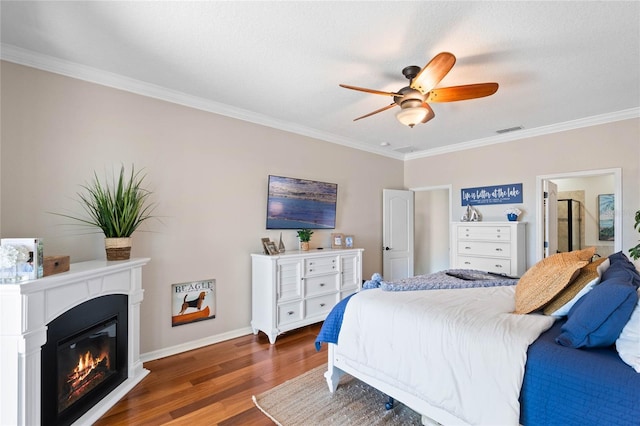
467 263
322 305
498 266
290 312
467 248
498 249
497 236
321 284
310 270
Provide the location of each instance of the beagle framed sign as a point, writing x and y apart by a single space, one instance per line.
193 301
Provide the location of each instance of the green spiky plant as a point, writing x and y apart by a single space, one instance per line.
634 252
305 235
117 209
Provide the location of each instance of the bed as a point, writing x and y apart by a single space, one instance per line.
478 362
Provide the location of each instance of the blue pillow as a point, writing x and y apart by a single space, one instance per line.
623 269
599 316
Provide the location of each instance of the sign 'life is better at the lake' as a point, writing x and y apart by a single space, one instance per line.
499 194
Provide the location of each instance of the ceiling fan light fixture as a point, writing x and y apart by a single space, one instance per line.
412 115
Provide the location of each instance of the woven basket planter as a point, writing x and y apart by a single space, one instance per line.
118 248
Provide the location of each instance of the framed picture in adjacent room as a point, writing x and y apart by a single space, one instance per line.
606 208
337 240
348 241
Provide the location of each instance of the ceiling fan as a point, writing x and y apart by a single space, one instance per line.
413 99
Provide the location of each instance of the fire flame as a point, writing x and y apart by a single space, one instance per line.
86 364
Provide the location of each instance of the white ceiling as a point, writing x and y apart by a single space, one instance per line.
560 65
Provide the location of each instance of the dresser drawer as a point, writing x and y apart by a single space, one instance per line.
485 233
321 285
485 248
289 312
501 266
320 305
320 265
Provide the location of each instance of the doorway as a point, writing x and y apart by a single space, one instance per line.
432 221
590 186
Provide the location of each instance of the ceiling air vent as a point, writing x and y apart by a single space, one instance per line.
510 129
405 149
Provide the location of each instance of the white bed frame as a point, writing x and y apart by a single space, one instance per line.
431 415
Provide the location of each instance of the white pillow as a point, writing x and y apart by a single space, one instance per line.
564 309
628 343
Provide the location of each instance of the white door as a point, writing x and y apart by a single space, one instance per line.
397 234
550 191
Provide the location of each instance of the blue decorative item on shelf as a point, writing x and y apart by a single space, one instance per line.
512 214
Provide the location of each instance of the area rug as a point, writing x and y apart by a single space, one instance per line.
306 400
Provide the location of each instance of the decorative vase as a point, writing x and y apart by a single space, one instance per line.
512 217
304 245
281 245
118 248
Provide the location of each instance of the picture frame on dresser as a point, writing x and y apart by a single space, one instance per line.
337 240
265 241
348 241
271 248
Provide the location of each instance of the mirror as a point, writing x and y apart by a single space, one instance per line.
579 211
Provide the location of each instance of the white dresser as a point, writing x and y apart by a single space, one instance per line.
299 288
489 246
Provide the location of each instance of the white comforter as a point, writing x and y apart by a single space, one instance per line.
460 350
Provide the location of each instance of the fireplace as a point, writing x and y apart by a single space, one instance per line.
56 330
84 359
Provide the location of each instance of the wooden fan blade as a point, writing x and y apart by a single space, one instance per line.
461 93
376 111
433 72
431 113
375 92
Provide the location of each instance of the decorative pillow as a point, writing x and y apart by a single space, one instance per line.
621 267
588 277
542 282
598 318
628 344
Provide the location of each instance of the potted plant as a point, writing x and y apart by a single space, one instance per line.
634 252
304 235
117 210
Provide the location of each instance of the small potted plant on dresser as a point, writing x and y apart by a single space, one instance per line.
117 210
304 235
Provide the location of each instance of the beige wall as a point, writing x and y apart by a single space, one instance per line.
613 145
209 174
209 177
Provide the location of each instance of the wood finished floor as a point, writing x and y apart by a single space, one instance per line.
213 385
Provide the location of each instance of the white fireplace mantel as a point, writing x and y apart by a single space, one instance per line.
27 308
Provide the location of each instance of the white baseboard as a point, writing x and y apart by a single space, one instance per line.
173 350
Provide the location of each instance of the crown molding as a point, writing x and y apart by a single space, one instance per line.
529 133
32 59
104 78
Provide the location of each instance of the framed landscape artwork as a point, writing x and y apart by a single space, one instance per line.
605 217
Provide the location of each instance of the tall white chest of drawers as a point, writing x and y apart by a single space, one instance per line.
489 246
299 288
